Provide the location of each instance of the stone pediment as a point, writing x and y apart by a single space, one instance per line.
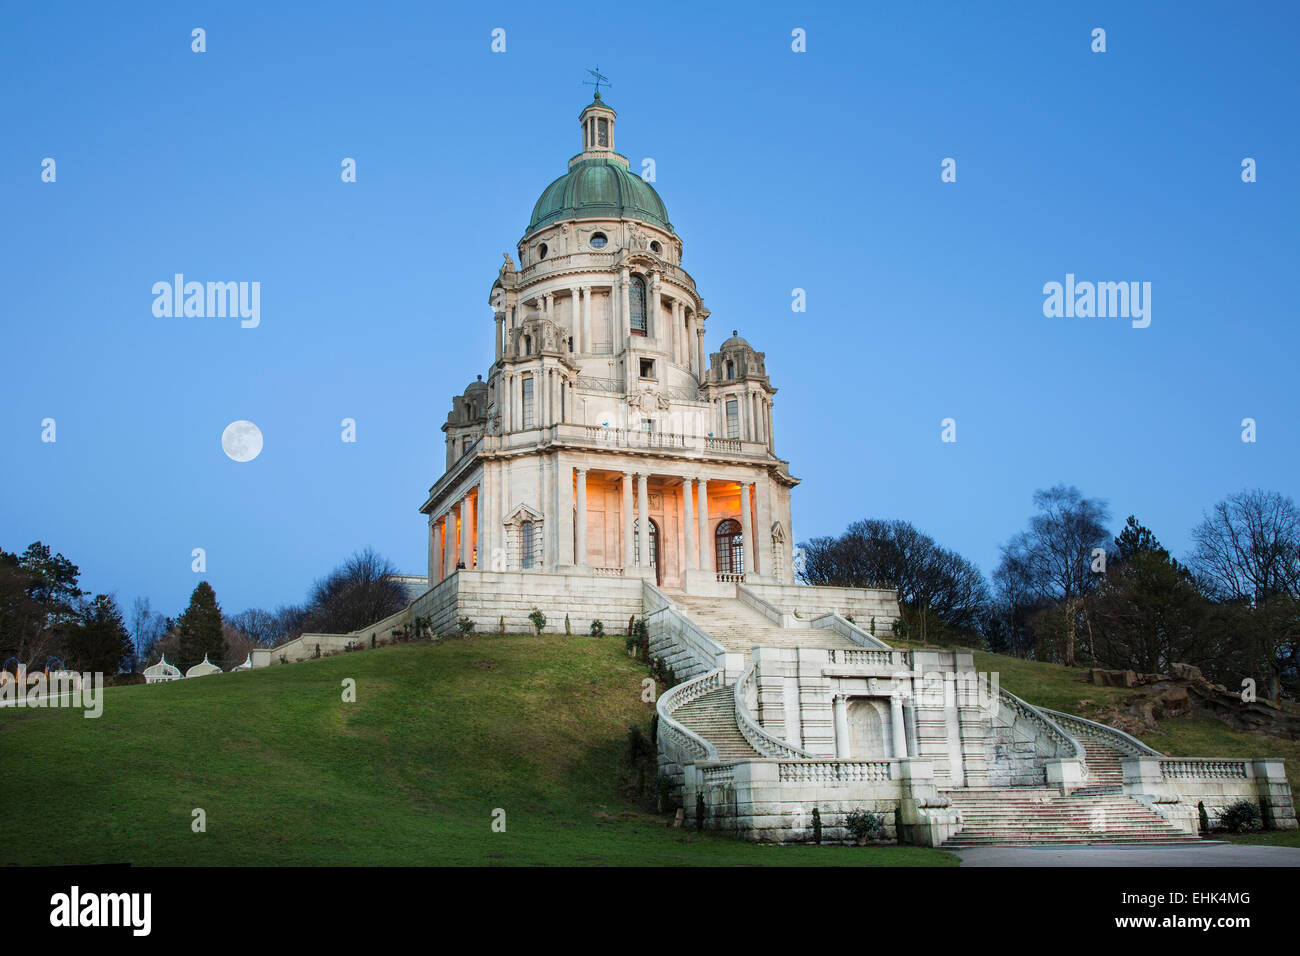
521 514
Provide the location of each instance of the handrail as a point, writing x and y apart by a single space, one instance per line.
846 628
1126 741
1059 735
765 743
762 606
702 647
690 744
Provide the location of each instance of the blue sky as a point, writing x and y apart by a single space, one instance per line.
817 170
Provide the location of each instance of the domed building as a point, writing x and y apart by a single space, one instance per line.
603 415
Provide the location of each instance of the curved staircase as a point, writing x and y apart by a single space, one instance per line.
713 717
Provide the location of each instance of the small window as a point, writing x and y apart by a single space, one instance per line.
541 251
528 345
526 544
655 247
599 240
528 402
647 368
570 343
465 443
731 369
733 419
637 305
602 132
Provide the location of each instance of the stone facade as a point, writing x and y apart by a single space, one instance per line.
602 414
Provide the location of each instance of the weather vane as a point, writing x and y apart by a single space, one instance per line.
600 78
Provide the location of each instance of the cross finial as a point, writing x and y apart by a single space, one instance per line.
600 78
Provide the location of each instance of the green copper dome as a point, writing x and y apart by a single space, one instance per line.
599 189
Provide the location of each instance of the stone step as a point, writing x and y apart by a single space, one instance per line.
713 717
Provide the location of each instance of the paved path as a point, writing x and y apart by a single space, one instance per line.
1203 854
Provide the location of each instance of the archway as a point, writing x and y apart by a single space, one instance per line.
729 547
867 731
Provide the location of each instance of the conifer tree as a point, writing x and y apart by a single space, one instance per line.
199 628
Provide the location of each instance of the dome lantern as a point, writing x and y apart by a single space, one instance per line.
597 127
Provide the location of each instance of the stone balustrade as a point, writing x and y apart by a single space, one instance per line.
752 730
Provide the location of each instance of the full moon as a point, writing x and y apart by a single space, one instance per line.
242 441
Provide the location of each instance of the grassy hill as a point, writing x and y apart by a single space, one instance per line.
288 773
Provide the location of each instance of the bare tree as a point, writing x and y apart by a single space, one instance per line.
1246 553
262 628
1052 561
1247 548
938 588
361 591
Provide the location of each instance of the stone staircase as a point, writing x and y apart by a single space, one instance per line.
739 628
1032 816
1097 813
713 717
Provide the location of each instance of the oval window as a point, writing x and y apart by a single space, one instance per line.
655 247
598 240
541 251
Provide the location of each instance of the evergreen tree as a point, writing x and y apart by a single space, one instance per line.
199 629
101 643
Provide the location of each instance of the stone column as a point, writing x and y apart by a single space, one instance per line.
688 524
643 522
434 567
501 334
628 559
841 727
481 509
449 542
580 307
699 335
584 318
467 531
705 563
581 557
625 286
896 724
653 312
747 526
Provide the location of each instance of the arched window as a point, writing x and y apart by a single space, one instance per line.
526 544
731 369
729 545
636 305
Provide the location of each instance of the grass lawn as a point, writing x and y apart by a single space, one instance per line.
439 737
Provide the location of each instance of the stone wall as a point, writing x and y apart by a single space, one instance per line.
486 597
1174 786
771 801
860 604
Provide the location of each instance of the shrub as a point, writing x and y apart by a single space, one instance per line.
1240 817
597 629
663 785
638 639
635 743
699 811
864 825
1203 817
465 625
817 825
538 619
567 629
